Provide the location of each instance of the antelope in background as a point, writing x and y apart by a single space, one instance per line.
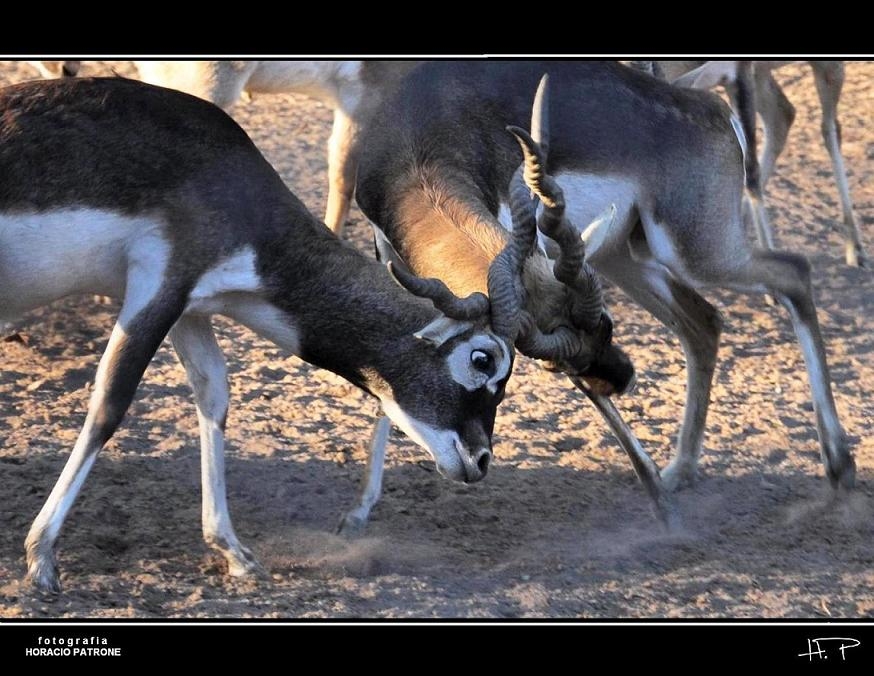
433 173
752 89
115 187
352 88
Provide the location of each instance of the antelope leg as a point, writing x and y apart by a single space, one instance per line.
354 521
647 471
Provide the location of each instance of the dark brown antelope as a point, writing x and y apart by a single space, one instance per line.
579 318
352 88
114 187
433 175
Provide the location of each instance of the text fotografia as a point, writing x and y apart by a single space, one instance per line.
79 646
818 648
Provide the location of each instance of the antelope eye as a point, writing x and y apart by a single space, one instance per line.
483 362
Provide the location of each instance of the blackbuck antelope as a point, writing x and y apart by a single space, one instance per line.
114 187
562 301
433 175
752 89
581 346
352 88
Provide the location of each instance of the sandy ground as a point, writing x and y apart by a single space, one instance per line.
560 528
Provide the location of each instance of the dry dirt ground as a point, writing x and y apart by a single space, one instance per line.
560 528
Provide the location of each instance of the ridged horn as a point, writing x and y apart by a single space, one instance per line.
506 291
570 267
472 307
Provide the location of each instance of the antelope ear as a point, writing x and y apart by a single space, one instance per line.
596 232
386 253
708 75
442 329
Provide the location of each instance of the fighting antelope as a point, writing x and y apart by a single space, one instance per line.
115 187
352 88
583 347
752 89
432 179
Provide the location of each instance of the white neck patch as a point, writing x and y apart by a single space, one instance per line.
443 445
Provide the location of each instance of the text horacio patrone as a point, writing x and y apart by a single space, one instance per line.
79 646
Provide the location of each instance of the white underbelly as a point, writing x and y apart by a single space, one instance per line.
588 196
46 256
233 288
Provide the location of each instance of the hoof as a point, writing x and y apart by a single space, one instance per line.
42 576
856 257
676 476
668 515
351 525
844 476
840 467
242 563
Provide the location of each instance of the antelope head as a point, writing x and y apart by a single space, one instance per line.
472 358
